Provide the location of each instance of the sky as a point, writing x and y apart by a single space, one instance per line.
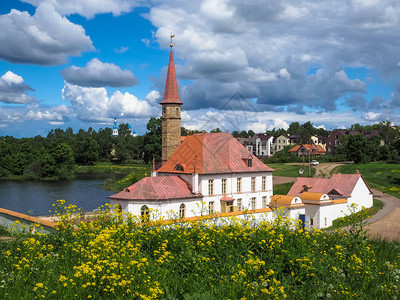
241 64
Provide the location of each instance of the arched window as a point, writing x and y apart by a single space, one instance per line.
118 208
144 213
182 211
179 167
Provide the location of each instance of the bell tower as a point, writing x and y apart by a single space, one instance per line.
171 112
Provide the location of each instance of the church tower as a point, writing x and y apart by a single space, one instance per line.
171 112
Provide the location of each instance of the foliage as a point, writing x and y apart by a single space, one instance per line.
152 140
140 171
116 256
358 217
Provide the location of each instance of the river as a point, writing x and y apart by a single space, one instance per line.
36 197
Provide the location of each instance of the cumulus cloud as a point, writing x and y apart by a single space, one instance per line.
121 50
98 74
88 8
13 89
56 115
265 50
45 38
94 104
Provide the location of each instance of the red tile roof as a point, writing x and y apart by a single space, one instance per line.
310 148
342 183
171 94
157 188
213 153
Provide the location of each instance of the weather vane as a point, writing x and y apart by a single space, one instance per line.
171 37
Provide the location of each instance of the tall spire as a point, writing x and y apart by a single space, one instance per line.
171 94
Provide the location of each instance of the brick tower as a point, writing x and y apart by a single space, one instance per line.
171 112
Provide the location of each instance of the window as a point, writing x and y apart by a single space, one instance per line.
179 167
253 184
229 206
211 187
264 183
253 203
144 213
182 210
326 222
223 187
118 208
211 207
264 201
311 222
239 185
239 204
249 162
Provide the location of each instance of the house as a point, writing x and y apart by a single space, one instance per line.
260 144
203 173
208 173
319 140
293 205
284 140
333 140
307 149
327 199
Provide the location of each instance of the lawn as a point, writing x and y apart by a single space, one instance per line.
381 176
289 170
118 257
282 189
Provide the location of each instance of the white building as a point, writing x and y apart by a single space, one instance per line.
208 173
328 199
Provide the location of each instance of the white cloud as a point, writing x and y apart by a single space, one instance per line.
14 90
121 50
153 97
45 38
94 104
98 74
372 116
258 127
265 50
89 8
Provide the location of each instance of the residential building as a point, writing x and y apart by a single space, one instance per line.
260 144
333 140
327 199
308 149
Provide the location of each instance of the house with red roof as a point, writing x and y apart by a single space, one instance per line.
327 199
204 173
307 149
208 173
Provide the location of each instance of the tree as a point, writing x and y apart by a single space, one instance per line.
355 148
152 140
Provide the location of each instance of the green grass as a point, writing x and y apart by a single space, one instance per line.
4 231
282 169
282 189
379 175
109 167
358 217
117 257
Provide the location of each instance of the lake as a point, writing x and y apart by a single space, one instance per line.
36 197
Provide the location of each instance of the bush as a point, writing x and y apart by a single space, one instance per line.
117 256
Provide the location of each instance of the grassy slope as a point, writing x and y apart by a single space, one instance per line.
381 176
282 169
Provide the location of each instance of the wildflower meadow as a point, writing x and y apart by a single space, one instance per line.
116 256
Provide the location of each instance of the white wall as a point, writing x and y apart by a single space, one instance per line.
361 195
231 188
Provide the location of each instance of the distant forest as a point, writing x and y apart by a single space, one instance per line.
54 156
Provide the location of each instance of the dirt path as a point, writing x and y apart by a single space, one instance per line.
326 168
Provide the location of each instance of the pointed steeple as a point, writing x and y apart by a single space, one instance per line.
171 94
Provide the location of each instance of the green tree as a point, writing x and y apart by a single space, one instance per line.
355 148
152 140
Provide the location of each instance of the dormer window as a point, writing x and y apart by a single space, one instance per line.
249 162
179 167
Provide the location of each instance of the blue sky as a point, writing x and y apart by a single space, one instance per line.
71 64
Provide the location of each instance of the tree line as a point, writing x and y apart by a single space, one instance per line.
55 155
